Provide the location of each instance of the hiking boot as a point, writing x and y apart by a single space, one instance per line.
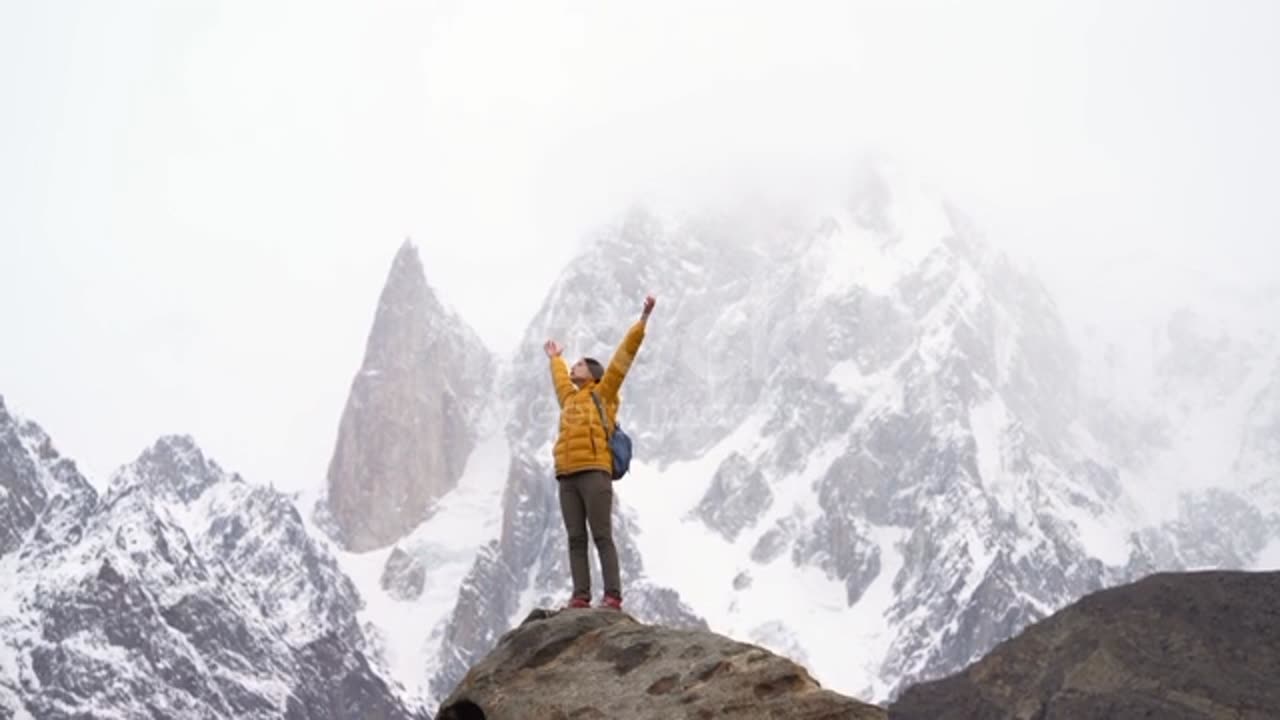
612 601
577 601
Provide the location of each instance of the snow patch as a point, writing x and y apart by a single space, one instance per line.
1104 537
795 611
446 545
921 219
850 256
794 495
981 556
852 384
872 632
988 421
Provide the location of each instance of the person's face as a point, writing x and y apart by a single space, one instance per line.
580 373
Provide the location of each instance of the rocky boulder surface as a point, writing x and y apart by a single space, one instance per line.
1184 646
605 664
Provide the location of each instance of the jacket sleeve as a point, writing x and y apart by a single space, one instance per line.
560 379
620 363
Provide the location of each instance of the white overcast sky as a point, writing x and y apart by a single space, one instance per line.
199 201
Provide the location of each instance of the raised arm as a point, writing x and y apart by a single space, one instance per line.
559 373
620 363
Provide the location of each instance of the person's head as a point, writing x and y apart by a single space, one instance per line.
586 370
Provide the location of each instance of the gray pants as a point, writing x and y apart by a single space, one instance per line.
586 498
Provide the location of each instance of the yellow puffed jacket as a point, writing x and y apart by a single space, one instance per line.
583 443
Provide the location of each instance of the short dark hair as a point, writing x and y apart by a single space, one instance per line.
597 370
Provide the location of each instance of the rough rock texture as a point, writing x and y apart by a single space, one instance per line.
738 495
403 576
1191 646
410 419
604 664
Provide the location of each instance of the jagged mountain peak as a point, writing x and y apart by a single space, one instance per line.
39 488
888 229
411 415
173 467
407 268
866 376
191 589
33 437
413 322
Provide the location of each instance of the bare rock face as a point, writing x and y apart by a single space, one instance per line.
739 493
403 576
605 664
410 420
1186 646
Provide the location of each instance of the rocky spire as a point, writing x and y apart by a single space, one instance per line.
409 423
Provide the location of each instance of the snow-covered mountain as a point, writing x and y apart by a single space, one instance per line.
864 439
182 592
38 487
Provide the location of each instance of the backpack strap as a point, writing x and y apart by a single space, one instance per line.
603 420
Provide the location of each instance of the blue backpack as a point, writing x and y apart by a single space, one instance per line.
619 443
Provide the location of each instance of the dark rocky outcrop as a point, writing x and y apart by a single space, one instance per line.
1175 646
404 575
605 664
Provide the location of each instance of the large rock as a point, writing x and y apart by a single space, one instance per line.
410 420
604 664
1190 646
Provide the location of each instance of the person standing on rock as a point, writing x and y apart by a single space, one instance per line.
584 463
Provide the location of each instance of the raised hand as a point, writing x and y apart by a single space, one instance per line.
552 348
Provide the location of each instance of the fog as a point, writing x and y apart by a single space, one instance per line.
199 201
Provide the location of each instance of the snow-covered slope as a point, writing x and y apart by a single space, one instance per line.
902 425
410 588
1183 398
183 592
863 439
38 486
